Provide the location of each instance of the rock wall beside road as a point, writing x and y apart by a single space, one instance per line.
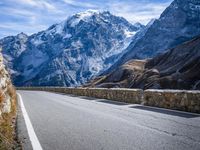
7 92
171 99
7 110
122 95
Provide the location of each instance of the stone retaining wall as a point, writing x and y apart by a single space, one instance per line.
123 95
170 99
173 99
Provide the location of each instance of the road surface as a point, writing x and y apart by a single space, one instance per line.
66 122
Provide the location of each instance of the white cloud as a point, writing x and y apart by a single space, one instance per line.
80 4
42 4
32 16
15 28
138 11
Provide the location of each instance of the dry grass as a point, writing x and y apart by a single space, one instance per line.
7 125
1 96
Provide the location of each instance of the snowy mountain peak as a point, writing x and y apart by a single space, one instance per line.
87 13
22 36
91 12
89 16
71 52
84 16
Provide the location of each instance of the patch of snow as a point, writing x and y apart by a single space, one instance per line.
119 48
72 74
22 36
129 34
23 48
59 28
77 44
74 22
83 16
67 36
95 65
37 42
87 13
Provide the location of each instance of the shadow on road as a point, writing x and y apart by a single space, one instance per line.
168 112
82 97
112 102
88 98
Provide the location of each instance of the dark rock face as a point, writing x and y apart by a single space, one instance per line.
178 68
69 53
180 22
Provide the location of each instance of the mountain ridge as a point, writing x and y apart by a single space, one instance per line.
56 56
178 23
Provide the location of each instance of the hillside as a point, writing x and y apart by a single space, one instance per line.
178 68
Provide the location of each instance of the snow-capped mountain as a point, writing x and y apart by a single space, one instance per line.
68 53
178 23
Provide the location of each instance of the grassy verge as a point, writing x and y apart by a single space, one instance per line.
7 125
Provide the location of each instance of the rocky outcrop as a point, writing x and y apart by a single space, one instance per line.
7 109
6 89
179 68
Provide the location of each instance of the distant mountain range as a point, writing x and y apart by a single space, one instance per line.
178 68
69 53
94 43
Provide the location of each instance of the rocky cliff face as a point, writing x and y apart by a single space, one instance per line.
6 95
68 53
178 68
7 109
180 22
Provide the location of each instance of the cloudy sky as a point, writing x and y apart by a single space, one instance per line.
31 16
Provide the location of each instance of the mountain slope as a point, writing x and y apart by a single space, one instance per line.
69 53
178 68
178 23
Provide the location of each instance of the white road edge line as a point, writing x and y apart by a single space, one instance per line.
33 138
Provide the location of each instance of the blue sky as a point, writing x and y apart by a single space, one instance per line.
31 16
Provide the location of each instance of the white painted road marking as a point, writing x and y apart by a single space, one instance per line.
33 138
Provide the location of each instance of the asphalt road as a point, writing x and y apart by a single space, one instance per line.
66 122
